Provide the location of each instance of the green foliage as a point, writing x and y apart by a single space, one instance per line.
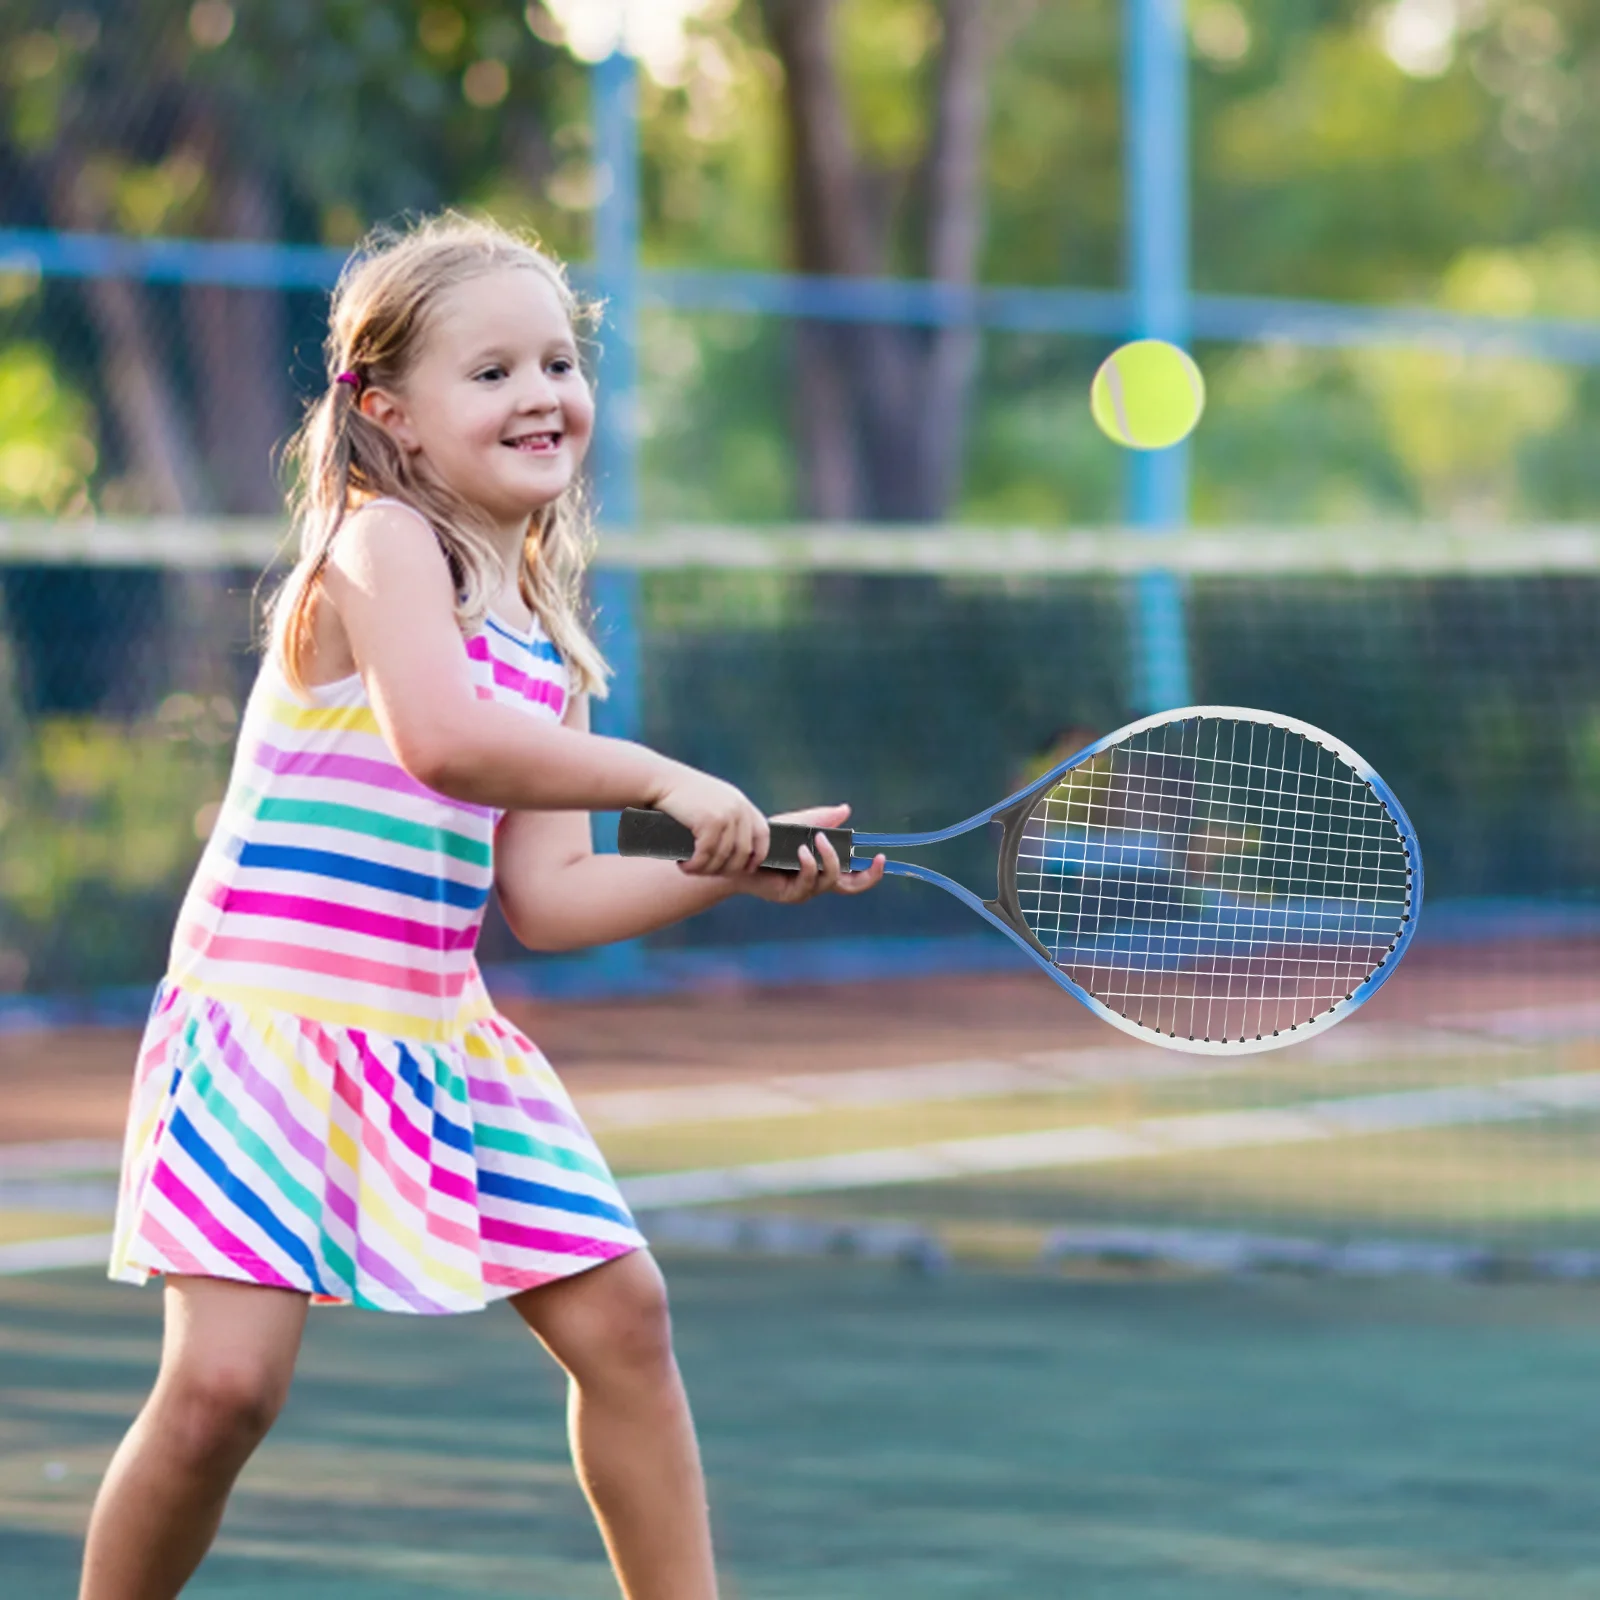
1323 166
885 48
714 427
100 826
1292 436
713 153
1054 190
353 111
47 450
1036 457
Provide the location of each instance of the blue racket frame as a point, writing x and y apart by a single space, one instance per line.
1014 807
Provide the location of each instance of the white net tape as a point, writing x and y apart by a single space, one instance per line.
1215 879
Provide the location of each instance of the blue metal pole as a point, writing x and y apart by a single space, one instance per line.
1156 135
615 455
615 90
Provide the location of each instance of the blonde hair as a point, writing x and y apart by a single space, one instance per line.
340 458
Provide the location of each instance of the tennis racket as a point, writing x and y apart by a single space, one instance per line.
1211 879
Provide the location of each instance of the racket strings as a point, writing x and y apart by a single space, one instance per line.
1215 879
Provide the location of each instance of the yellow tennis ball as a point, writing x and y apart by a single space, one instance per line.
1148 395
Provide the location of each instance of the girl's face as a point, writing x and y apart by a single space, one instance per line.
495 402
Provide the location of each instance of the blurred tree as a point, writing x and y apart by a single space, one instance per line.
251 122
894 187
270 122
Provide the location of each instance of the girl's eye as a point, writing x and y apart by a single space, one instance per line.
561 366
491 373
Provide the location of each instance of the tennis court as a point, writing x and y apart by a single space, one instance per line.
870 1432
934 1426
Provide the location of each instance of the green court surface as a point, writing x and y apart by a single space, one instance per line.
872 1434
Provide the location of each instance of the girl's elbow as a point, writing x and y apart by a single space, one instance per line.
545 936
438 762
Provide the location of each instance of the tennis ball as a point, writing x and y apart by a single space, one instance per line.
1148 395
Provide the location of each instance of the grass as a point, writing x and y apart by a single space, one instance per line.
871 1435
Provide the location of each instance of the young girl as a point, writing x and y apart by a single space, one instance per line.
326 1103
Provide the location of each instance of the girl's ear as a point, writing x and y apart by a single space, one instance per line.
385 409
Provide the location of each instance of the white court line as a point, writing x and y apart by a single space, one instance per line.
1035 1072
31 1174
43 1255
1511 1100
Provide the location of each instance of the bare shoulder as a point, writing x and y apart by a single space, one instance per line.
386 540
379 550
390 583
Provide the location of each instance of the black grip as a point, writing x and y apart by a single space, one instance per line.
655 834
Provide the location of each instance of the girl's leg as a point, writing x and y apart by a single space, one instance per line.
226 1361
632 1436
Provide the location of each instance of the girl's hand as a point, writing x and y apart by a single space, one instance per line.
823 873
730 834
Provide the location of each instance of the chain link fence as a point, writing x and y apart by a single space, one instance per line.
919 697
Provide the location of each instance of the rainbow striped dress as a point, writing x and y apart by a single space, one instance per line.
325 1098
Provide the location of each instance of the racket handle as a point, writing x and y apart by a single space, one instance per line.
655 834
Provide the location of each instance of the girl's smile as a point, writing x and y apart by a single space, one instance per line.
544 443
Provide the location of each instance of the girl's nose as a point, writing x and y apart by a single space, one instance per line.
539 394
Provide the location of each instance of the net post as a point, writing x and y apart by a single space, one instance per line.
1156 167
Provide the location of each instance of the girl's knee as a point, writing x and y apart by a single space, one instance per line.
622 1325
219 1408
641 1333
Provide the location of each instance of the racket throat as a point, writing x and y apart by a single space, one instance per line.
1006 905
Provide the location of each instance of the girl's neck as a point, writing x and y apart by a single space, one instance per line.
509 540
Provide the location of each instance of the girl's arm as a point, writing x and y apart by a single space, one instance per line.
557 894
389 585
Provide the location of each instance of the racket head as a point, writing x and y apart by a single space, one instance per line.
1214 879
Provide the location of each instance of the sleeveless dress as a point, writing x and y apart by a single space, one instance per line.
325 1098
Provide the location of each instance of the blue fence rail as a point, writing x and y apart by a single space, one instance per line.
1104 313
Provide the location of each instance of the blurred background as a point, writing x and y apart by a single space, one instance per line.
858 261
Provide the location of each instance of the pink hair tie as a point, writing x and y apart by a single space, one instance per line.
352 378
